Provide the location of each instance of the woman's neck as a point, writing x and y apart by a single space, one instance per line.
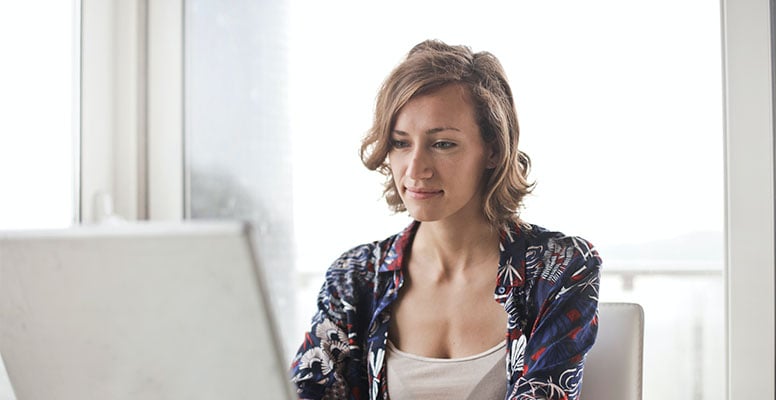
455 247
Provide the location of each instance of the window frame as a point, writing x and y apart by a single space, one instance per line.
749 190
131 133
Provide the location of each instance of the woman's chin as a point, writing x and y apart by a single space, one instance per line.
423 216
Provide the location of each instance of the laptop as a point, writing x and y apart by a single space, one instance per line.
138 311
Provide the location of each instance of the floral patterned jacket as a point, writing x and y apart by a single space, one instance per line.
547 283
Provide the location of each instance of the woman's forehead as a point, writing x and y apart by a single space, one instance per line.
451 103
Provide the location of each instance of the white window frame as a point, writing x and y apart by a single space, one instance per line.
749 181
111 105
132 109
136 96
167 178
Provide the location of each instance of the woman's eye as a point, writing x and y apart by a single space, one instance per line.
444 145
399 144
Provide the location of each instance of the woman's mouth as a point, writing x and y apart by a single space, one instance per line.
422 193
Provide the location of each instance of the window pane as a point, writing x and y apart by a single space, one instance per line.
39 120
236 121
37 165
622 120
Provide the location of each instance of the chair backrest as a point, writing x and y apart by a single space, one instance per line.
613 368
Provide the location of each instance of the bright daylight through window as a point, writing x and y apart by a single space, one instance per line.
623 123
37 129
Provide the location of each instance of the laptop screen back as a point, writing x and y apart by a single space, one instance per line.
142 311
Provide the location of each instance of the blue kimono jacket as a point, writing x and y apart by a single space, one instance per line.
547 283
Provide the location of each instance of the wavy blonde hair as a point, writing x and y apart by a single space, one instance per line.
431 65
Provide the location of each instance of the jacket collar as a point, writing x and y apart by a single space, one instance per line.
512 246
393 258
511 266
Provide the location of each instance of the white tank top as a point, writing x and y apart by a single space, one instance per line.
481 376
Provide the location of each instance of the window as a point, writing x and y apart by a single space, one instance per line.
39 125
623 122
38 139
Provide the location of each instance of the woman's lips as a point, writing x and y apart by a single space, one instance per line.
422 194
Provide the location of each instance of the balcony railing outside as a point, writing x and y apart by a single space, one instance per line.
684 338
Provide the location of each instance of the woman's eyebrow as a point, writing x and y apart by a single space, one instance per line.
430 131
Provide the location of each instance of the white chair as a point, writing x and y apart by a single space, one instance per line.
613 368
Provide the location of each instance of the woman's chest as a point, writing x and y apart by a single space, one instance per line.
446 321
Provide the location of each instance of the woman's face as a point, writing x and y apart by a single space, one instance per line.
438 157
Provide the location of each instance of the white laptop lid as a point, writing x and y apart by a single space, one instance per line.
138 311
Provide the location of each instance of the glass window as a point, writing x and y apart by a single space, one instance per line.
39 123
620 110
240 161
37 146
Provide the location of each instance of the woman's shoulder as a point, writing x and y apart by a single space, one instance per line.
367 258
556 262
551 247
536 235
355 257
356 274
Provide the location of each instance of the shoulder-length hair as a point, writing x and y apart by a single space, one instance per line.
431 65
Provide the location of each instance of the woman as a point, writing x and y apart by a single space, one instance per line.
414 316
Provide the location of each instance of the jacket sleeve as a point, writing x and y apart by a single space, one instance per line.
329 363
565 297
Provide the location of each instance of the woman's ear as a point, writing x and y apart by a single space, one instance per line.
492 161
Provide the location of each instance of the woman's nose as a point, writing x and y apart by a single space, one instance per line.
420 165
